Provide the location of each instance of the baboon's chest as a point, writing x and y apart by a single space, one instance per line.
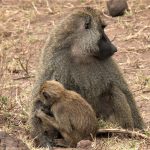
92 79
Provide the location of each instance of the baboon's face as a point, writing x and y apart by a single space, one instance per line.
51 91
89 36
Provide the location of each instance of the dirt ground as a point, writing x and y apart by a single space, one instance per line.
24 27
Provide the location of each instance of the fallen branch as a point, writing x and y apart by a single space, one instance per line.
131 134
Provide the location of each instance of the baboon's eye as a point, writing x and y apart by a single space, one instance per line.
46 95
88 22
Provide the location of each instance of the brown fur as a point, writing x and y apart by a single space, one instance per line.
78 55
73 117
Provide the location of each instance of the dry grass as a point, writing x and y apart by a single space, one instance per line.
24 26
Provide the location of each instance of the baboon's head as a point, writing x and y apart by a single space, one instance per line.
85 28
51 91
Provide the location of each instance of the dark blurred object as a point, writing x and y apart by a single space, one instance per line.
117 7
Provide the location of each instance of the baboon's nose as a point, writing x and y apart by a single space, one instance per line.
114 48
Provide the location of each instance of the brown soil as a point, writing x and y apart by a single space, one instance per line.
24 27
10 143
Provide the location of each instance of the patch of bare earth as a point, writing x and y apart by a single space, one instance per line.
24 27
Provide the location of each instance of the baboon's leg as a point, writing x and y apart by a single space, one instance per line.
68 138
60 143
121 108
47 119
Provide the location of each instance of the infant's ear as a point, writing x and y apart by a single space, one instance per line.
46 95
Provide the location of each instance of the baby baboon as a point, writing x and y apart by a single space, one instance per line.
117 7
78 55
73 117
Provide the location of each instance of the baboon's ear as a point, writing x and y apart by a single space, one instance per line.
46 95
87 24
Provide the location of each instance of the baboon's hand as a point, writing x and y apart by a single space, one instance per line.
39 113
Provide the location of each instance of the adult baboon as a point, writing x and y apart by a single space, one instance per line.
77 54
73 117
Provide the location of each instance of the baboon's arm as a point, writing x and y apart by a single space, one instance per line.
65 130
138 121
121 108
48 119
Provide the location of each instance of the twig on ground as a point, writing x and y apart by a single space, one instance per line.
35 8
26 77
131 134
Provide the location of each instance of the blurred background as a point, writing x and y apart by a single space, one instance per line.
24 27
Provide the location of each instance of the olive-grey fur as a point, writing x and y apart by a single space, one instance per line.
69 57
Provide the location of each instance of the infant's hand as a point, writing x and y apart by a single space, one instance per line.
39 113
